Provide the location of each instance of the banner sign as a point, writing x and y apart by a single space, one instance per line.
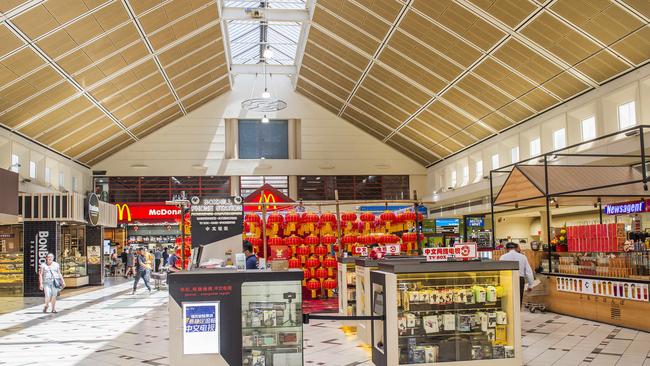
625 208
136 211
41 238
200 328
607 288
215 219
463 251
267 194
92 209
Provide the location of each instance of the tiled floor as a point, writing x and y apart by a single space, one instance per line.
108 326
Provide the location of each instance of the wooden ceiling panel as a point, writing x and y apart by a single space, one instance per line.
642 6
478 131
36 21
461 21
141 6
40 103
8 41
104 151
538 99
510 12
602 66
196 102
636 46
446 128
317 100
440 39
380 130
69 127
65 10
448 113
325 82
52 119
496 121
183 62
503 78
414 135
218 86
22 62
196 71
462 138
7 5
331 45
203 81
16 116
375 112
88 27
165 115
604 20
333 75
320 94
431 60
391 94
57 44
411 70
364 42
526 61
463 101
358 16
427 130
16 93
403 145
81 133
557 37
483 91
378 102
6 76
408 90
565 85
90 138
386 9
341 65
515 111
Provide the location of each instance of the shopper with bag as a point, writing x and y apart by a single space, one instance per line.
50 281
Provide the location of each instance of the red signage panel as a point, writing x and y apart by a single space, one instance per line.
146 211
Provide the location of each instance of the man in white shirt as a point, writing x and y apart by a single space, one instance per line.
525 272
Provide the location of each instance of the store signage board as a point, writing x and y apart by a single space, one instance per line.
361 250
607 288
625 208
201 328
40 239
475 221
392 249
92 207
447 226
267 194
463 251
215 219
136 211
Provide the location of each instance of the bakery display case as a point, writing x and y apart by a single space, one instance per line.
72 267
11 274
271 323
445 312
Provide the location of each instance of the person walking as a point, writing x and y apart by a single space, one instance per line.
50 281
165 257
525 272
114 263
158 259
141 270
173 263
130 264
251 258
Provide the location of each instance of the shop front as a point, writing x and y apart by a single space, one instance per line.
11 249
148 224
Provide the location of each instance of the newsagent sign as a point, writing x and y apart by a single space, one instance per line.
625 208
216 219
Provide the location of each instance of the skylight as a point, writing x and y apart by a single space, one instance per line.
249 38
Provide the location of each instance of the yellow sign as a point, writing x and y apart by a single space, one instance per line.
121 208
267 198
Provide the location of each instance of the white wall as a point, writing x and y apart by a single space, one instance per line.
196 144
27 151
601 102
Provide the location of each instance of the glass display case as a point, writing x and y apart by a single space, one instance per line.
633 264
272 323
446 312
11 274
72 267
346 280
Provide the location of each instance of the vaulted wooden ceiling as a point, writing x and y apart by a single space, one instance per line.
431 78
89 77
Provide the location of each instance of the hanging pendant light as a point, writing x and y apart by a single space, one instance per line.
265 119
265 103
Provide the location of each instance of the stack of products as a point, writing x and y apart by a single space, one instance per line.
620 265
440 323
11 270
596 238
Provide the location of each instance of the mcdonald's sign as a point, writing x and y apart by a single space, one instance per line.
146 212
266 194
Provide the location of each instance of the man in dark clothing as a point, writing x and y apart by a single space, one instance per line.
251 258
141 267
165 257
123 257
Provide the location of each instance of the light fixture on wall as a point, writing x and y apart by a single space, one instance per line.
265 119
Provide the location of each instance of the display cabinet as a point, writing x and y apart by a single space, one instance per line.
272 323
346 280
73 267
11 274
631 265
457 313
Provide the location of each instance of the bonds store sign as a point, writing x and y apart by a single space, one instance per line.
40 239
146 212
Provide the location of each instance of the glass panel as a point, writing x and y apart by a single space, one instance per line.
460 316
588 128
263 140
396 187
272 323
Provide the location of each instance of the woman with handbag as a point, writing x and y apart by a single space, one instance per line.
50 281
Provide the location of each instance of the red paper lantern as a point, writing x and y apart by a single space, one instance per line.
328 240
306 275
368 218
256 243
293 241
321 274
320 251
314 286
294 263
336 247
310 220
292 219
312 241
330 284
368 239
389 239
330 263
303 252
311 263
275 241
388 217
349 241
252 218
347 220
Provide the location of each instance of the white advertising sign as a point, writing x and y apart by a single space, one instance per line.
392 249
463 251
361 250
201 328
607 288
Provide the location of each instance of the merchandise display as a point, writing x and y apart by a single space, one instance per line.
445 312
346 279
74 266
272 323
11 274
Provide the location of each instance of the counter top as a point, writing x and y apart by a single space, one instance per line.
455 266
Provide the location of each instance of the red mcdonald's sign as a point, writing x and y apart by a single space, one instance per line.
146 211
266 194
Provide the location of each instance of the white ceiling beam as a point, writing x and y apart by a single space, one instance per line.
272 15
259 69
310 5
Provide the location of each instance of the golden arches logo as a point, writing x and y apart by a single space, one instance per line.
267 198
121 208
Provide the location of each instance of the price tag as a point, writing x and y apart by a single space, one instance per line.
392 249
362 251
